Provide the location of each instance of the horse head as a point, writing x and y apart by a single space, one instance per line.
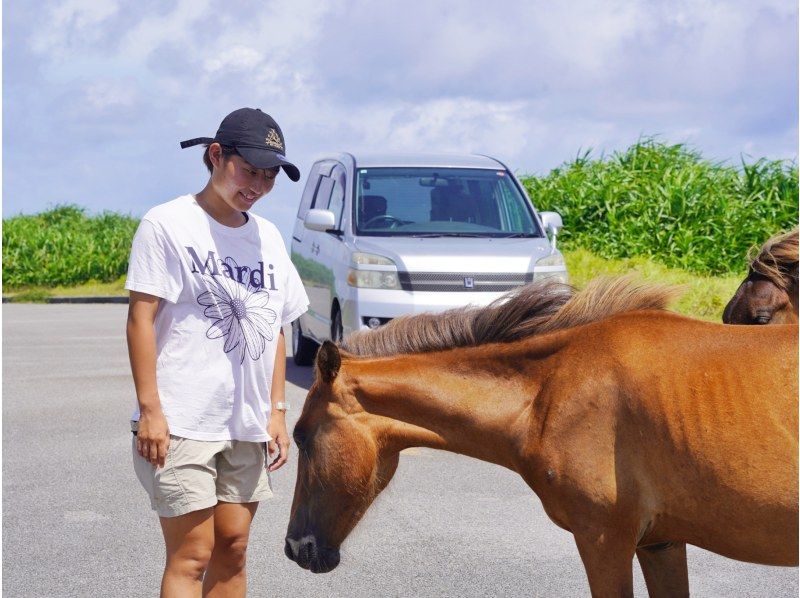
342 466
769 293
758 300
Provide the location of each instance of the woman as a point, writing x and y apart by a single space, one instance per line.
210 288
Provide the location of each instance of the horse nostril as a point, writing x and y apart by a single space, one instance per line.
304 551
307 552
287 550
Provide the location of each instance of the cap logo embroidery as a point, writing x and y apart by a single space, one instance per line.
274 139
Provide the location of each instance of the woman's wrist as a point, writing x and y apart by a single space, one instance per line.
148 408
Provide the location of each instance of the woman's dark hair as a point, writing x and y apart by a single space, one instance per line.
227 151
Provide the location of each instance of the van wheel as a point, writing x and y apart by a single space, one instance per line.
304 350
336 327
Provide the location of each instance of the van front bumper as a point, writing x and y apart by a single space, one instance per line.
388 304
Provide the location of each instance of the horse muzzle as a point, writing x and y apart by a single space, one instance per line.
307 553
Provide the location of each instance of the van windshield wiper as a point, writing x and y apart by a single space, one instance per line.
432 235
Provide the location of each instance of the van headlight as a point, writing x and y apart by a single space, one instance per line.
371 271
554 259
370 279
551 266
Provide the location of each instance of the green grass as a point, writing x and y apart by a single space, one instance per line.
65 246
93 288
704 296
667 203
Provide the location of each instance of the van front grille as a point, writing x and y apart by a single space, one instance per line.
464 282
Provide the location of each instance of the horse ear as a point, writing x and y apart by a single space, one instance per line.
328 361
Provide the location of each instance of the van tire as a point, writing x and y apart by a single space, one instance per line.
304 350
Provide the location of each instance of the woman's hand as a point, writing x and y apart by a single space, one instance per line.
278 447
152 439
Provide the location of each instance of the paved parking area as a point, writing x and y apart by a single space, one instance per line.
76 522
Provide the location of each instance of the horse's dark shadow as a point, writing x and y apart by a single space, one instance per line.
302 376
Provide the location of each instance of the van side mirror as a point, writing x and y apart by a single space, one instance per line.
552 224
320 220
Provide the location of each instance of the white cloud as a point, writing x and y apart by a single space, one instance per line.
71 21
235 58
107 93
174 27
455 125
269 50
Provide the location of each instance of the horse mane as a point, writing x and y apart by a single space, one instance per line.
777 259
535 308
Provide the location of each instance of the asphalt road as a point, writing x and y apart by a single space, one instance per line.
77 523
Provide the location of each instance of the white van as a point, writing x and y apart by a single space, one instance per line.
378 236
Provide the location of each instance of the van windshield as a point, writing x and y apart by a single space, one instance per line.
437 202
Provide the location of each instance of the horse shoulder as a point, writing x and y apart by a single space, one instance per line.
569 451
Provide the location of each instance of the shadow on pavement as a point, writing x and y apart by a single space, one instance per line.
302 376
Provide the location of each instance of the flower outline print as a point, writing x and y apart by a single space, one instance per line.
240 314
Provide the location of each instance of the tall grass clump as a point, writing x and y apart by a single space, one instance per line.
668 203
65 246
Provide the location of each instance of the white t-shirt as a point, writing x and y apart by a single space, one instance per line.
227 292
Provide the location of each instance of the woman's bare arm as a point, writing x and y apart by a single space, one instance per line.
152 440
276 427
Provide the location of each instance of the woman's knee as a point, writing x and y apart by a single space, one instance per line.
190 543
231 551
190 560
231 532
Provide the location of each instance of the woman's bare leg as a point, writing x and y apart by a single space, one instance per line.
190 541
226 576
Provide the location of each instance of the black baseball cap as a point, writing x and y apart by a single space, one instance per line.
255 136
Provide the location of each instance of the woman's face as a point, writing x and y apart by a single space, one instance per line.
238 183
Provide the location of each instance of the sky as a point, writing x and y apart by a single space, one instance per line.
97 94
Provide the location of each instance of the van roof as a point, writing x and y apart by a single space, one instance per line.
375 160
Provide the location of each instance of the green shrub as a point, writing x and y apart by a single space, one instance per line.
668 203
65 246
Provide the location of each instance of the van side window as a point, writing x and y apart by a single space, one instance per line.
511 212
336 203
323 196
308 192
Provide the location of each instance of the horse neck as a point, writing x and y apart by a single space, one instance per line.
466 401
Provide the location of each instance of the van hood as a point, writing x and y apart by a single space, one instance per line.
457 254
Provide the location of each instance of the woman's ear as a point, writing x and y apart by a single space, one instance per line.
215 154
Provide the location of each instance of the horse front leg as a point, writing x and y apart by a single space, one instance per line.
608 560
664 568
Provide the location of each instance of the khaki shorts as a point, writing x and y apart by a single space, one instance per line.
197 474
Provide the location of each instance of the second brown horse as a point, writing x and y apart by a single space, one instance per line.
769 293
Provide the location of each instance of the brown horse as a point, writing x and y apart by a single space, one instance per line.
769 293
640 430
